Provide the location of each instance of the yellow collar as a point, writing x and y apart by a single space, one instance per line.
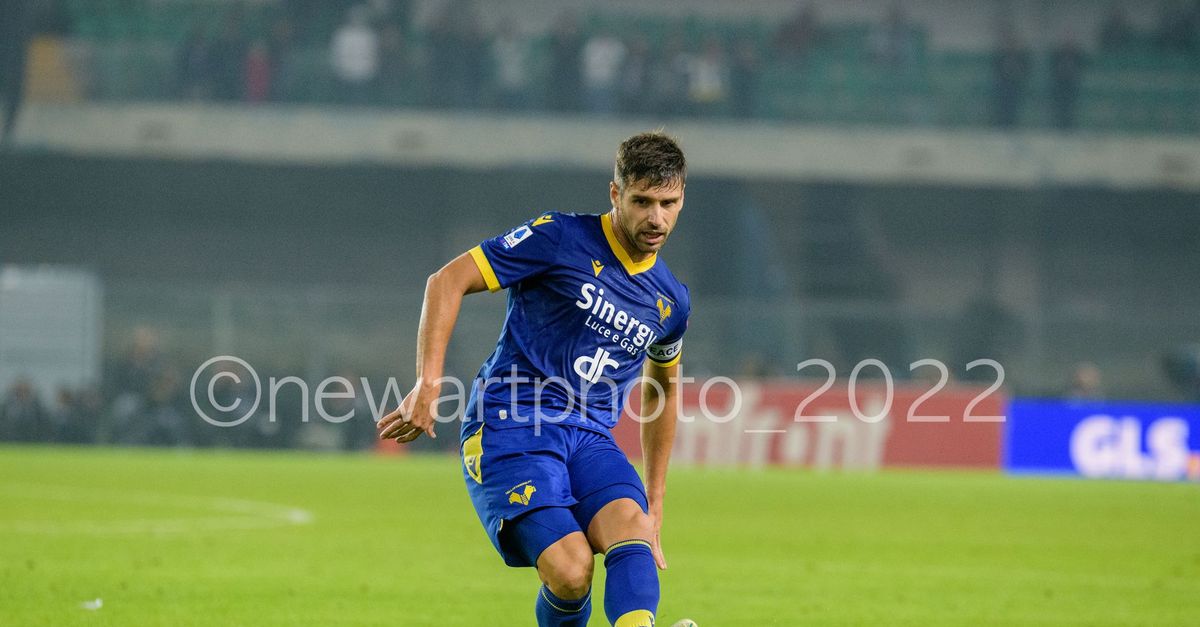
631 266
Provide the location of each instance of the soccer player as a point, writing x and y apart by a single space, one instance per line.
590 306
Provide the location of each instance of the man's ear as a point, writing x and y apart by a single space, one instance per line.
614 193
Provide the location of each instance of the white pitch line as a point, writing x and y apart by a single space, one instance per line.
232 514
764 431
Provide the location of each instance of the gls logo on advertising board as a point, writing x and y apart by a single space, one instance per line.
1106 446
1103 439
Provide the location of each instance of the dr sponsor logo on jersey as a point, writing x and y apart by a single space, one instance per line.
591 367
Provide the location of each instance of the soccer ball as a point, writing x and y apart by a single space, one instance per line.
686 622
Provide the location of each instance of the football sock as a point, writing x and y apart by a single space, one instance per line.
631 584
555 612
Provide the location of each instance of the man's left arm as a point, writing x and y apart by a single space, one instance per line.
659 412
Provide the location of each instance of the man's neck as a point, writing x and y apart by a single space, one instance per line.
623 239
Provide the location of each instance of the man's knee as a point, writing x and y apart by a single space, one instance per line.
566 567
619 521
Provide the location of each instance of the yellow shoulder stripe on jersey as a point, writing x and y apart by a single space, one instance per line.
667 364
631 266
485 268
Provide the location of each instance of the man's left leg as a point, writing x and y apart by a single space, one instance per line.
631 589
612 511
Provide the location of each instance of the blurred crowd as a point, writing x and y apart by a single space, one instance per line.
377 53
146 401
378 56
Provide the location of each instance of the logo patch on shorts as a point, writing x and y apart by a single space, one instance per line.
521 493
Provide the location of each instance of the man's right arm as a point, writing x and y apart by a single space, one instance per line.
444 291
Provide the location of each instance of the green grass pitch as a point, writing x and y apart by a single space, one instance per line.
245 538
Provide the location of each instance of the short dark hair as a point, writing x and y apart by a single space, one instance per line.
653 157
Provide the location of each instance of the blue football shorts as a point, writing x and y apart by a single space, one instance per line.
532 489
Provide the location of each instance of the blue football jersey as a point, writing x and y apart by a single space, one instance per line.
582 316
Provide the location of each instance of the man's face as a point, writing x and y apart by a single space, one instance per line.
646 215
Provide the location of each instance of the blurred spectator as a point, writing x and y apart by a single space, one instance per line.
351 417
143 364
133 380
603 56
458 50
1011 75
354 55
1177 26
473 57
1085 383
394 12
894 40
163 423
986 329
22 418
79 414
565 48
708 79
635 77
228 58
800 33
1116 32
397 72
15 30
258 72
1182 368
1066 72
743 83
512 59
194 62
280 46
669 78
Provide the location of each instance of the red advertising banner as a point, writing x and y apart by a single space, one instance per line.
804 423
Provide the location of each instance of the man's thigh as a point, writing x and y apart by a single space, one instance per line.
605 485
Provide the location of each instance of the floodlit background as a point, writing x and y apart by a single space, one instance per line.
948 180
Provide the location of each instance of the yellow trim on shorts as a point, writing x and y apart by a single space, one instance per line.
472 456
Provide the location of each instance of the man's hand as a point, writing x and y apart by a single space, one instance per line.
656 517
413 417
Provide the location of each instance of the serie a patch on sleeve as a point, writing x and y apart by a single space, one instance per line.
516 236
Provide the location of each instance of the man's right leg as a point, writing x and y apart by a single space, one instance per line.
521 491
566 572
550 538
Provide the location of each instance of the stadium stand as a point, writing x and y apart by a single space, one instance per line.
886 71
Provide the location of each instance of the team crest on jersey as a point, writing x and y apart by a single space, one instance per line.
517 236
664 308
521 493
